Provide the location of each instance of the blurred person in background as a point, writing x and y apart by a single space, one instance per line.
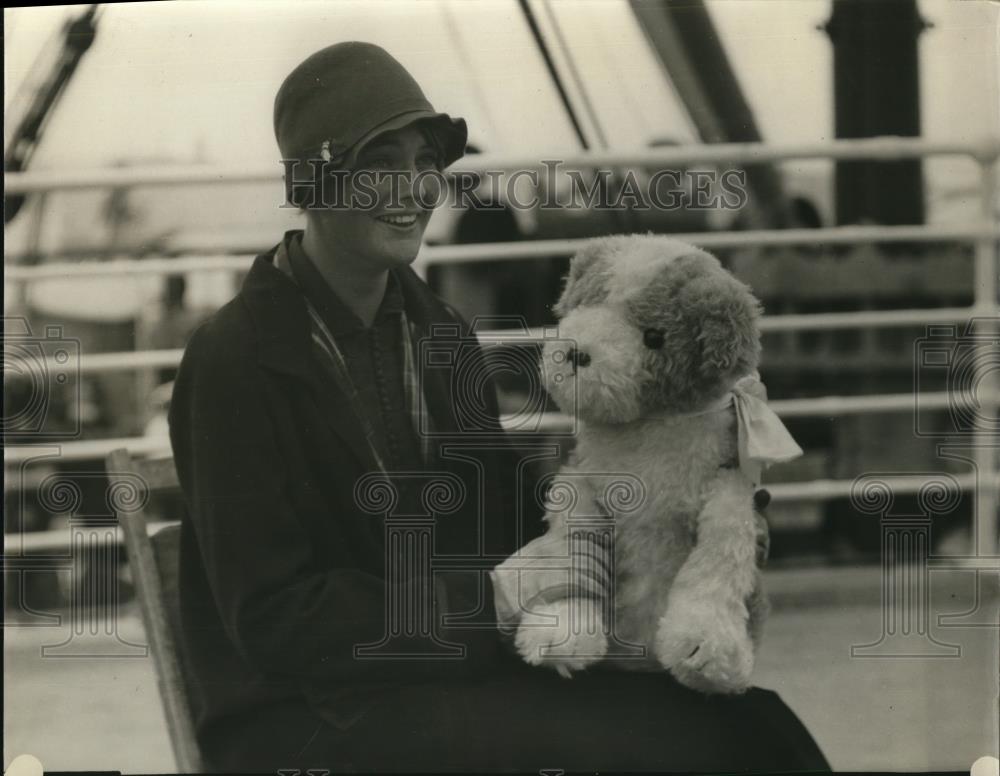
285 400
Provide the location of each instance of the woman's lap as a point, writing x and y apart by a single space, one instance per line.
529 720
615 721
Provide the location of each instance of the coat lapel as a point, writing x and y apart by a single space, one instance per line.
424 310
284 341
337 410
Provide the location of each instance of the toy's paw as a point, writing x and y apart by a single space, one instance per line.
706 646
551 636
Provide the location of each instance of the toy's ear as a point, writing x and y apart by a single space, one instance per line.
727 313
585 282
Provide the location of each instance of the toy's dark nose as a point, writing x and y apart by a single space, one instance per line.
578 358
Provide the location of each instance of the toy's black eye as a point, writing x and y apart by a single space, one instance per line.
652 339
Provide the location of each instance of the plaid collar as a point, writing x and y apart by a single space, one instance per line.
338 317
332 360
282 324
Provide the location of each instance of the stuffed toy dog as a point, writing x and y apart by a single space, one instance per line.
656 359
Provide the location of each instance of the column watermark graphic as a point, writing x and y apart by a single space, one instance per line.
906 542
43 408
962 363
410 503
89 619
581 510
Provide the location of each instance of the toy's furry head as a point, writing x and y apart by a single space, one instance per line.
648 324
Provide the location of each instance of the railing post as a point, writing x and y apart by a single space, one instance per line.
986 437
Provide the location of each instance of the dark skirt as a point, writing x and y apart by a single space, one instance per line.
528 720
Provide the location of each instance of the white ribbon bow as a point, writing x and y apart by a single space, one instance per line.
761 436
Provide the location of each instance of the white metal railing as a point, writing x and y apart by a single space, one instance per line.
879 148
984 233
164 359
553 423
524 249
530 249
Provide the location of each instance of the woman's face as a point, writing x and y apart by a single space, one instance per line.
388 233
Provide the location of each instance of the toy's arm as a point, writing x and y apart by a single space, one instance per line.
723 564
703 636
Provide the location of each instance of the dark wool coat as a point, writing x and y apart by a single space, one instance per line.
282 572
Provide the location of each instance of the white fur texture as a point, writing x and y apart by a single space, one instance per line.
703 636
672 594
611 393
552 635
685 558
635 265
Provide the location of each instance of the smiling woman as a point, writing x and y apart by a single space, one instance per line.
287 402
380 222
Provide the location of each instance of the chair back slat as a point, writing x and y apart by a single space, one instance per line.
159 474
154 562
166 554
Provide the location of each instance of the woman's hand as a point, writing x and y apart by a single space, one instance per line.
552 567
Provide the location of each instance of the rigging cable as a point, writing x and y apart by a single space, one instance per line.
553 73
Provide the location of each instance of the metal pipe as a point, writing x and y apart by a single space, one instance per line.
814 490
986 436
528 249
735 153
560 87
822 490
555 422
164 359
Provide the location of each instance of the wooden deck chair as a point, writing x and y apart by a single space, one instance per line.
154 562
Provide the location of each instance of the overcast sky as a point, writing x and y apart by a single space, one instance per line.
196 80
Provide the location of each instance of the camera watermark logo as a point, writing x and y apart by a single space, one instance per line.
495 351
964 362
41 383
